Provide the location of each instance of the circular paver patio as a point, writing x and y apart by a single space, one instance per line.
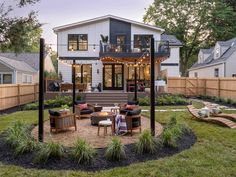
88 132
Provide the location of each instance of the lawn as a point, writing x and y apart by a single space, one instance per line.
214 153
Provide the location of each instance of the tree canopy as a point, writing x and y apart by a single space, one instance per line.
19 34
197 23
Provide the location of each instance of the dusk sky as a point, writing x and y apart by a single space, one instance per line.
59 12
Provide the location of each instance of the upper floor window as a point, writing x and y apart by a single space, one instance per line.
142 42
216 72
77 42
217 53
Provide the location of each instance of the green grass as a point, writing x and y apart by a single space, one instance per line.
214 153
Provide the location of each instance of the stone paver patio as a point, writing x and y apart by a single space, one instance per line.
88 132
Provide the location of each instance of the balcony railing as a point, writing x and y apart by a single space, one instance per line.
133 49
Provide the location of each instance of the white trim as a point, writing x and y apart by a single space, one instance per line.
27 77
63 27
205 66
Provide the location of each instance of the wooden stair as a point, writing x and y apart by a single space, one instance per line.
106 98
218 120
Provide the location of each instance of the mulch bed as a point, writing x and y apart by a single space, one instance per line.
66 163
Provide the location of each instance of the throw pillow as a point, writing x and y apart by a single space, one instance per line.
216 111
130 107
202 113
83 106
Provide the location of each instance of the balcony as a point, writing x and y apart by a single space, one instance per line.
133 50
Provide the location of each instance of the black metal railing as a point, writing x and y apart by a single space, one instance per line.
161 47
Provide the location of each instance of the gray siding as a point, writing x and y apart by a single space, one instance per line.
4 68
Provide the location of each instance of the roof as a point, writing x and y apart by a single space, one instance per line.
173 41
31 59
106 17
17 65
231 44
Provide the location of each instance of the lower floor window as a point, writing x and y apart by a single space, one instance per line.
6 78
216 72
143 72
26 79
84 73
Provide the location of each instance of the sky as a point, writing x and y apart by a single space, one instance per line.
53 13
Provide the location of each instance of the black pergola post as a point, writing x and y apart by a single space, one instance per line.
135 82
41 90
152 89
73 81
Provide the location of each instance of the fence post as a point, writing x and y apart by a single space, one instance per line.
185 86
205 87
197 92
18 93
218 87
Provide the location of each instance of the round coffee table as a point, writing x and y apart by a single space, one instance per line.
98 116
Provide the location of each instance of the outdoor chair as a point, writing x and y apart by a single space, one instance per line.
81 112
59 121
130 105
133 120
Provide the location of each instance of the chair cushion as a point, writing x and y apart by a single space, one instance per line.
79 102
216 111
135 122
83 106
86 111
202 113
134 112
132 102
54 113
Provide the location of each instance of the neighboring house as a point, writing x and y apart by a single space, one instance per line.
22 68
172 63
109 62
16 72
218 61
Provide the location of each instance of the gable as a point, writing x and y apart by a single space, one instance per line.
4 68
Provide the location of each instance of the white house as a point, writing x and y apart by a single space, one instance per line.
22 68
218 61
112 61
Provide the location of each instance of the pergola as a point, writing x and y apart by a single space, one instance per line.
145 58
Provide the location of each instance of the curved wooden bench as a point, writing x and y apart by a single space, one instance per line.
218 120
231 117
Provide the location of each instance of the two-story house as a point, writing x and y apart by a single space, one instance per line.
218 61
107 50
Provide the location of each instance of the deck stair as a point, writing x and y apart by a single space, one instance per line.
106 98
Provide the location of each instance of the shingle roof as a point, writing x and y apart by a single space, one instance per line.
17 65
31 59
210 60
173 41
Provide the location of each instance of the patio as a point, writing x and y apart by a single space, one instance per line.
88 132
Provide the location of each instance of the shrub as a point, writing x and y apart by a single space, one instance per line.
47 151
83 153
19 138
147 143
172 132
32 106
115 150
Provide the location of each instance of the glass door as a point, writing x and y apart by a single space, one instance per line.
113 77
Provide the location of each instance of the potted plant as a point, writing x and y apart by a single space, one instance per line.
104 41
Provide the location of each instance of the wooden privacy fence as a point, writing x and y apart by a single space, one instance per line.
220 87
12 95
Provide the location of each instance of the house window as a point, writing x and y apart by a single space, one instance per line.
142 42
6 78
77 42
195 74
217 53
142 72
216 73
27 79
84 73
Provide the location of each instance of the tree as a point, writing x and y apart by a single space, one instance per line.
19 34
197 23
231 3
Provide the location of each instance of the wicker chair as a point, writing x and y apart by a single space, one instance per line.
60 121
133 120
84 113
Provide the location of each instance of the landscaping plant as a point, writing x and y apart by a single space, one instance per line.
147 143
49 150
115 150
172 132
82 152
